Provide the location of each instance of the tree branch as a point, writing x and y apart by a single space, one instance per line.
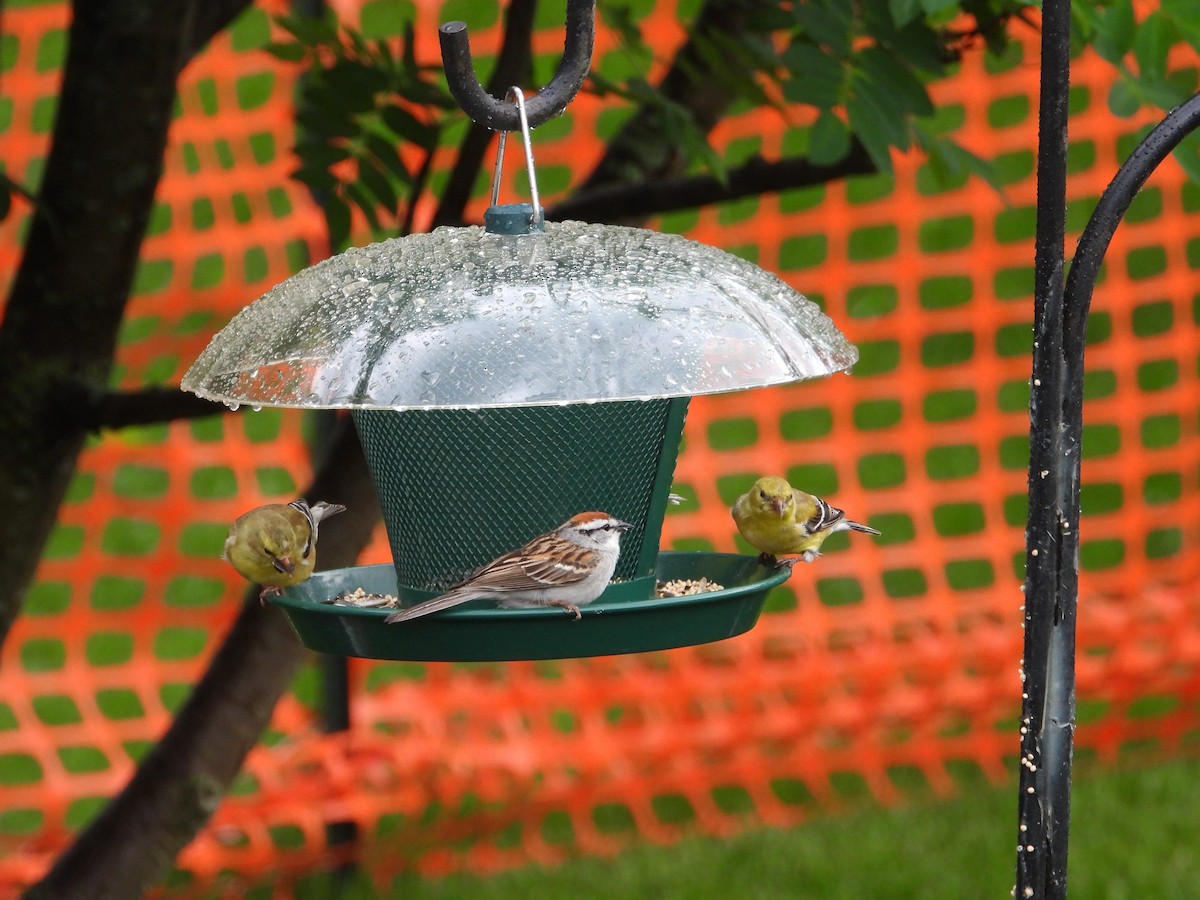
614 202
103 410
641 151
131 844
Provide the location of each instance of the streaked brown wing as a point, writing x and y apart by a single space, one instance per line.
516 572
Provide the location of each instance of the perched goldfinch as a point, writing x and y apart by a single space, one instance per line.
276 545
778 519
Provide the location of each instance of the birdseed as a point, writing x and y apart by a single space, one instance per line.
682 587
360 598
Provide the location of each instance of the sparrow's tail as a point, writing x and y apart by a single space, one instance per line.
448 600
858 526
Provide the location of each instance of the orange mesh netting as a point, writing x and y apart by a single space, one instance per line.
886 669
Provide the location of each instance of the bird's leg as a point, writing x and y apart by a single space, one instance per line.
774 562
267 591
568 607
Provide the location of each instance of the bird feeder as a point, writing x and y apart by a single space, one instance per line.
503 378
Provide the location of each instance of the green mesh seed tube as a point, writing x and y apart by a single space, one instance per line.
460 487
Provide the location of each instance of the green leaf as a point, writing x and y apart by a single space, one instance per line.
316 178
424 93
827 22
1153 39
1115 26
1164 94
867 128
904 11
358 43
936 7
883 70
354 85
875 100
1185 14
324 122
1123 99
916 43
408 127
337 220
1184 81
312 31
816 77
320 153
372 177
948 160
364 201
733 64
385 152
1187 154
766 19
288 52
1084 22
828 140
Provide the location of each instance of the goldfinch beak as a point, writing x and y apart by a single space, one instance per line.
284 566
777 505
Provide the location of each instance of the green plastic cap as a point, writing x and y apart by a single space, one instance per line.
511 218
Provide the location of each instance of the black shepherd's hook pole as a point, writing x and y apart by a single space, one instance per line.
551 100
1056 422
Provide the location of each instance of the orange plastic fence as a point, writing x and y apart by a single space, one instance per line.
888 668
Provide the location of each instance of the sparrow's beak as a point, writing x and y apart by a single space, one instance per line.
623 526
284 566
777 505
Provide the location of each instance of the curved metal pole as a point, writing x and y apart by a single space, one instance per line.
550 101
1056 412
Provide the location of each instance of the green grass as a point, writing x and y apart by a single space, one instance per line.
1134 834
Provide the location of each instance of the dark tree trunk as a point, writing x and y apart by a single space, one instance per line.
60 324
131 845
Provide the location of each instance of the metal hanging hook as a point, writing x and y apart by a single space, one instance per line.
515 94
551 100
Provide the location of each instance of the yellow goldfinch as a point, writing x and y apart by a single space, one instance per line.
778 519
276 545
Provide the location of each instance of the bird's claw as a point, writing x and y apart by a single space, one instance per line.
568 608
268 591
775 562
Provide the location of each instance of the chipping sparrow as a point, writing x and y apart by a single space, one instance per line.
276 545
776 519
568 567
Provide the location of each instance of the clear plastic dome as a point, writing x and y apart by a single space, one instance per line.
462 318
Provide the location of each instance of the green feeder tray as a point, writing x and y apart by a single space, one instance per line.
618 622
